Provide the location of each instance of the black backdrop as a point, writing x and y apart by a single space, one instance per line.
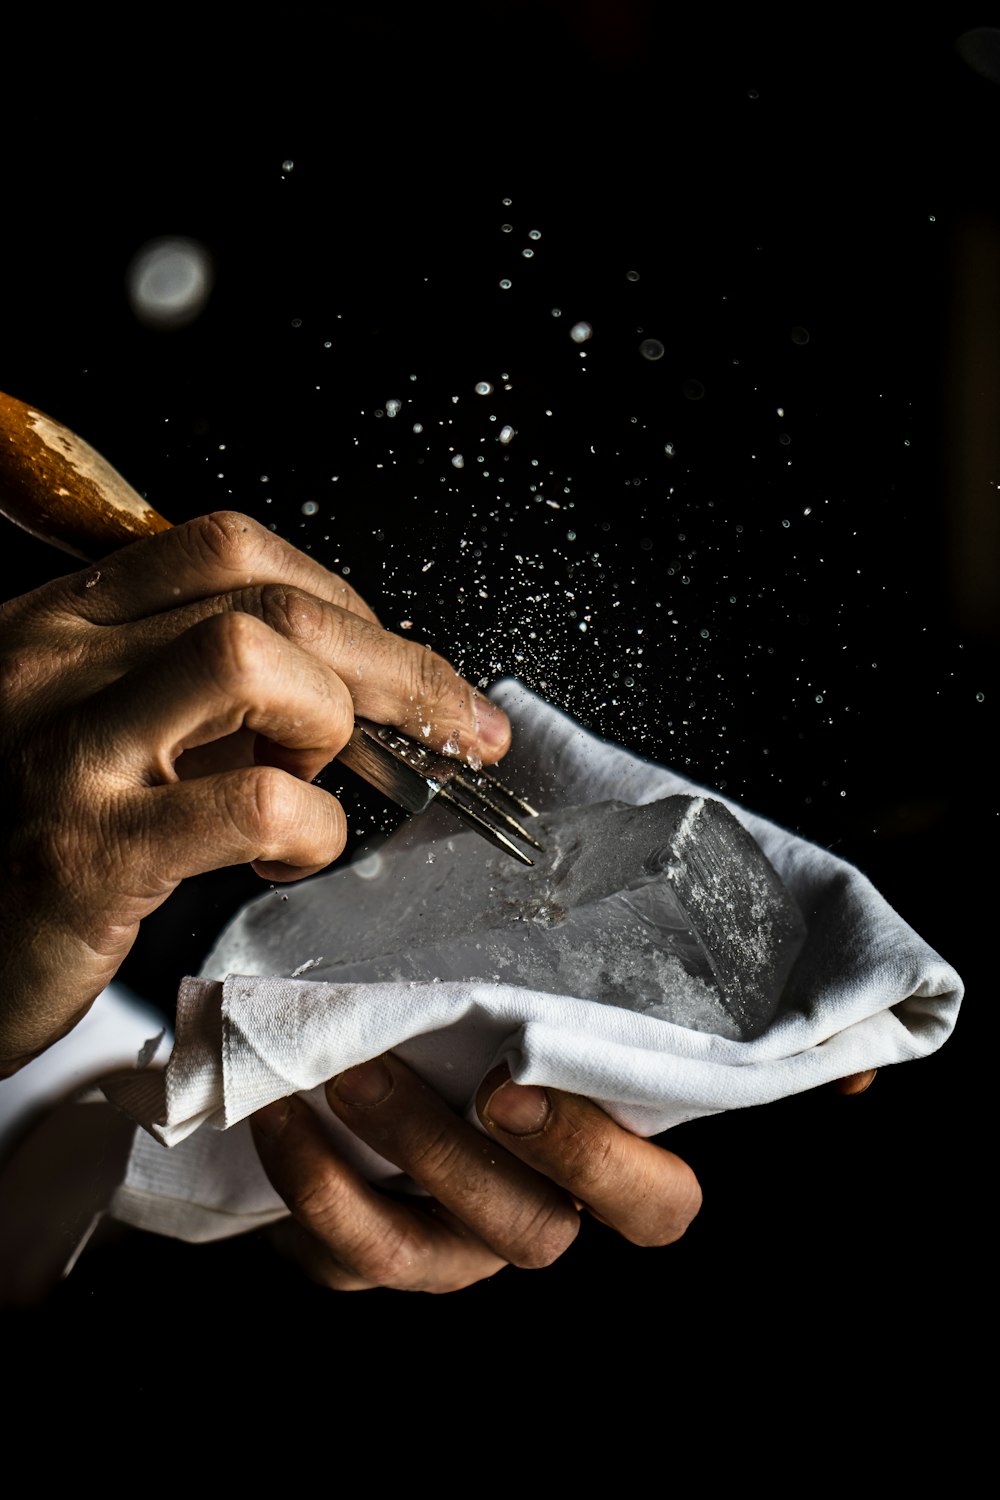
793 202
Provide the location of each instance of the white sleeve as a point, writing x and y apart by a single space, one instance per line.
110 1037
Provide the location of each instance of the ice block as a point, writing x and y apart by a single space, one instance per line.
670 909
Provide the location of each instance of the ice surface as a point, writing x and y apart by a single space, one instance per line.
670 909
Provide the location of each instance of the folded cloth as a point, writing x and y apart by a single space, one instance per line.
866 991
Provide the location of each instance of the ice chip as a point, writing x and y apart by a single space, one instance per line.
670 909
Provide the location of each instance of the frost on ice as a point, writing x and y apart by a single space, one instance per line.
670 909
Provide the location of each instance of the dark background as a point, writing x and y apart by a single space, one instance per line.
812 212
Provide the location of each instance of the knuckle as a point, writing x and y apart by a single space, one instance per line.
223 540
390 1257
541 1241
590 1157
433 677
229 648
436 1156
260 802
292 612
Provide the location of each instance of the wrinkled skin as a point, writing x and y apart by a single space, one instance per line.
164 713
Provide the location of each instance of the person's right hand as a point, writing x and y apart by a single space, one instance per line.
162 713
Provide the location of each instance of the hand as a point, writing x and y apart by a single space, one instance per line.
512 1196
162 713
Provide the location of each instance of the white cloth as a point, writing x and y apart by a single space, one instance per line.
866 992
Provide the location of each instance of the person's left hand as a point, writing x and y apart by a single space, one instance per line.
512 1196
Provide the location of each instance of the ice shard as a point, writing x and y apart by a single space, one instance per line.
670 909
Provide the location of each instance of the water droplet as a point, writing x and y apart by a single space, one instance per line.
309 507
507 202
819 697
534 234
651 349
703 634
557 312
668 449
580 332
393 408
693 390
800 335
483 388
571 536
507 228
784 439
288 166
527 253
505 284
980 697
752 94
786 524
418 426
631 275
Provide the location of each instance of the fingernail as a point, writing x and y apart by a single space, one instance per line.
272 1119
520 1109
367 1084
492 727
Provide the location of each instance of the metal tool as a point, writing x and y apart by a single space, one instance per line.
56 486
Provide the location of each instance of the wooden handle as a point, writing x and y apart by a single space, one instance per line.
61 490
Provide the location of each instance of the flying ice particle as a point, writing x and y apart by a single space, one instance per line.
457 461
580 332
505 434
393 408
169 282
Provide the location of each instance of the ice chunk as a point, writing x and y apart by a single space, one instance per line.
670 909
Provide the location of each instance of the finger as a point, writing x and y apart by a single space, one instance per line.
359 1237
391 680
286 827
201 558
648 1194
227 673
854 1083
523 1217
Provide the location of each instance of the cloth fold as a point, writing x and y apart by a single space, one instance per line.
865 992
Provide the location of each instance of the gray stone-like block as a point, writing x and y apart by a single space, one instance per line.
670 909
